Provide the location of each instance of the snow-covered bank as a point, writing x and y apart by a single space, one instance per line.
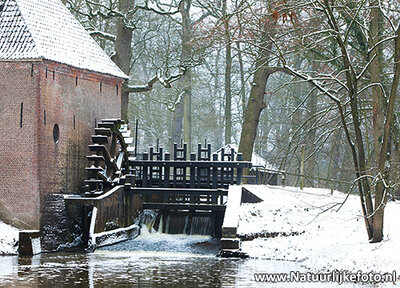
8 239
331 239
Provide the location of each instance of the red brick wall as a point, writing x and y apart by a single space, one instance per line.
65 93
19 182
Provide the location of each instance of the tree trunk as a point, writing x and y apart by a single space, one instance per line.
177 124
254 107
218 131
187 78
378 114
311 135
378 101
123 52
242 81
228 72
380 189
252 113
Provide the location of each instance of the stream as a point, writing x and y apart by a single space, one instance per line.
150 260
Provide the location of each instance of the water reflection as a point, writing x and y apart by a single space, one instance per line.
165 266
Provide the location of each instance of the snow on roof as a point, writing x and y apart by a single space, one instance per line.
45 29
256 159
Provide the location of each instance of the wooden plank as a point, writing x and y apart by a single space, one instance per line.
114 120
99 139
150 190
93 181
98 148
102 131
191 207
107 157
109 125
94 168
128 140
95 157
183 164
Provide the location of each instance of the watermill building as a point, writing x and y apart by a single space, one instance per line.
55 83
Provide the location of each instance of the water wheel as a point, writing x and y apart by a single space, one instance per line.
108 163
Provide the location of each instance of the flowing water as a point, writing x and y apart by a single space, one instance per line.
151 260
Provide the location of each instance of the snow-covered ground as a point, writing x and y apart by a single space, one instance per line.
328 239
8 239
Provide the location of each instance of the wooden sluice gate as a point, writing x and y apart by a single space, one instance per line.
199 185
121 185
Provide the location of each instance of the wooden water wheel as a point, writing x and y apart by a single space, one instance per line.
109 163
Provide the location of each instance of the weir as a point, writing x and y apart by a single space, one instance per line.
177 222
188 196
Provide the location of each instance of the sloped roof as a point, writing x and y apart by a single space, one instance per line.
45 29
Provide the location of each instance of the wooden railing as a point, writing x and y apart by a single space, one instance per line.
202 180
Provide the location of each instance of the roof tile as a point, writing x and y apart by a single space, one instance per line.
31 29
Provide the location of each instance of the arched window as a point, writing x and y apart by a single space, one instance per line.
56 133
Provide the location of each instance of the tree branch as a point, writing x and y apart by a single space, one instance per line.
103 35
167 83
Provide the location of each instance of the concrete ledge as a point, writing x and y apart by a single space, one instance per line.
232 253
230 243
231 218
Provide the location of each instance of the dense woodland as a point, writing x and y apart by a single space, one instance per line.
311 82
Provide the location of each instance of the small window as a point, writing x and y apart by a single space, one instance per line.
21 116
56 133
74 122
44 117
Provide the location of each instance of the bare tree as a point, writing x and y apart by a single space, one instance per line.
349 81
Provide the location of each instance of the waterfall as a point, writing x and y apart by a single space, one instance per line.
152 221
147 220
201 225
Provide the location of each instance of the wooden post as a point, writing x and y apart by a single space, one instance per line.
184 151
160 168
199 151
185 169
151 167
192 176
239 170
215 172
167 170
175 152
193 172
222 169
136 136
257 176
145 172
